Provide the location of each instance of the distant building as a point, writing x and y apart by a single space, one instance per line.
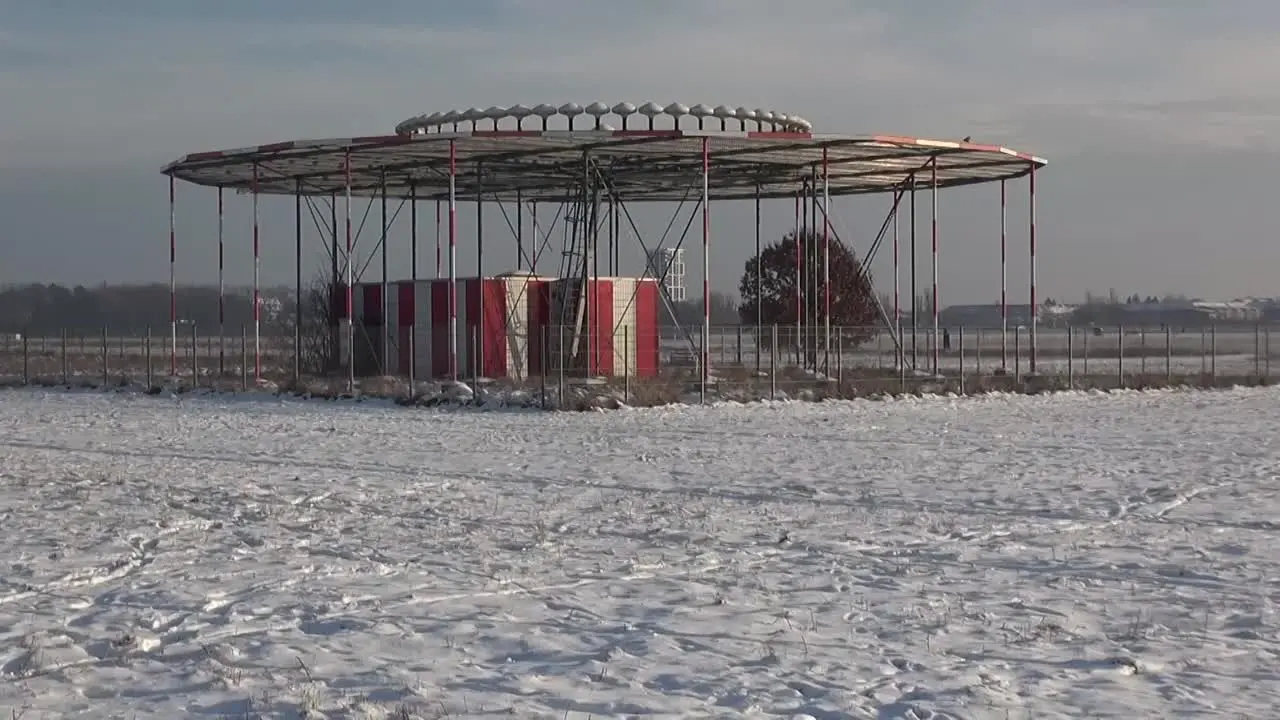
667 264
980 316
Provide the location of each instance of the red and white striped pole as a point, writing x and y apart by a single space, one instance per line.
173 279
453 259
257 291
349 277
826 263
222 288
1032 240
933 179
706 265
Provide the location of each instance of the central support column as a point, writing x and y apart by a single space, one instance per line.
453 259
706 266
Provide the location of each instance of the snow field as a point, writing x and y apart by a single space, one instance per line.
1000 557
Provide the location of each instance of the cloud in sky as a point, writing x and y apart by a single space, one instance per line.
91 86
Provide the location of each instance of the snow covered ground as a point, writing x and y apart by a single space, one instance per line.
1004 557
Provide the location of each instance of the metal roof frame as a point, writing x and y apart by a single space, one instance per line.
642 165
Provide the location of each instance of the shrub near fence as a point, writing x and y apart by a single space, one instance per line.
746 363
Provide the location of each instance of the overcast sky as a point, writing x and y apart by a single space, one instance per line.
1158 119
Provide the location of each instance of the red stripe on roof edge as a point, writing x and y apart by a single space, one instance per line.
505 133
778 135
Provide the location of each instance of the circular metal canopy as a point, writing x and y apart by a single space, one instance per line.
636 165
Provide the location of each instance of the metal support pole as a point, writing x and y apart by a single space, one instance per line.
826 264
385 302
933 198
1004 279
297 284
915 297
706 266
413 277
799 231
759 284
897 289
173 279
1031 236
453 260
331 295
477 347
537 237
257 288
349 274
222 290
814 258
519 231
438 261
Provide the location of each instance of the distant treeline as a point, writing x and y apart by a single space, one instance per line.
121 309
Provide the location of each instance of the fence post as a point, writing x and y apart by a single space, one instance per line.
1266 350
244 359
545 356
773 363
1084 354
977 354
146 351
106 351
1213 353
1120 354
1017 355
626 362
560 365
26 358
755 339
1142 354
1168 355
1257 349
960 350
1203 355
195 357
739 339
1071 358
65 372
840 357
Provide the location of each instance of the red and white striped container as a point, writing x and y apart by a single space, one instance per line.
520 316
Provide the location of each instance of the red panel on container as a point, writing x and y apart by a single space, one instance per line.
602 330
645 335
404 303
338 302
495 328
539 301
372 308
440 328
